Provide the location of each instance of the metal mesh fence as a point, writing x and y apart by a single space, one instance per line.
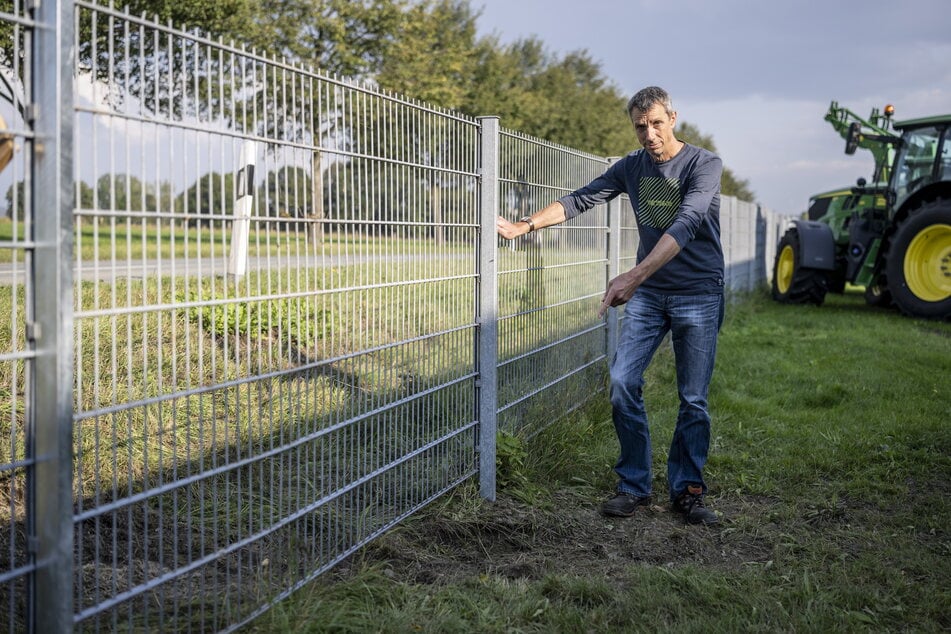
550 338
274 357
17 355
287 323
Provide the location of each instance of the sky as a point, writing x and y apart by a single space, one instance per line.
757 75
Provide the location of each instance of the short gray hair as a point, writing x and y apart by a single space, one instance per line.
647 97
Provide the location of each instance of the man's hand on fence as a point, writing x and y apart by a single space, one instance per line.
510 230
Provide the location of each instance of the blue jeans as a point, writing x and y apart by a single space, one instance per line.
694 322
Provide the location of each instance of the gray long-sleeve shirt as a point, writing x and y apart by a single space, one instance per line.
680 197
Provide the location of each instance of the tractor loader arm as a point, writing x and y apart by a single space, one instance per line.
872 134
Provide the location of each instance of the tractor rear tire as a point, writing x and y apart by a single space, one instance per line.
918 261
792 283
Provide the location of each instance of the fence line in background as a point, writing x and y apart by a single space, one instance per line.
292 323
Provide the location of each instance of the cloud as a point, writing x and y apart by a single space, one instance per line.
807 165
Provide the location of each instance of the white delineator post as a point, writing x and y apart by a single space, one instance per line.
241 226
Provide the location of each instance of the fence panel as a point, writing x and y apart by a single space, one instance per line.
275 327
551 342
739 246
771 226
17 355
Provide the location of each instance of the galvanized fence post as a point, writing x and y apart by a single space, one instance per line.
488 304
614 267
51 398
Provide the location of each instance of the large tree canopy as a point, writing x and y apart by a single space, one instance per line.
565 100
347 37
429 50
432 58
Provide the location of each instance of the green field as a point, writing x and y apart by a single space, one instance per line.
103 239
830 462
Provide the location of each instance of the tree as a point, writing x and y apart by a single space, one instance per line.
211 196
409 66
225 18
443 79
565 100
731 185
15 201
287 192
86 196
122 192
346 37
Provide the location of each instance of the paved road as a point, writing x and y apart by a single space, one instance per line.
107 271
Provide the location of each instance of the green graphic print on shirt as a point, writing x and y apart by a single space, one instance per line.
658 200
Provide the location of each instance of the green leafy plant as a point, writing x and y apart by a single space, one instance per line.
236 316
511 471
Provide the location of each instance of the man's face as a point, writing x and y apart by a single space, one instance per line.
655 131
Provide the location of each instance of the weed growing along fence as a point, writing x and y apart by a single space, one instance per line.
259 315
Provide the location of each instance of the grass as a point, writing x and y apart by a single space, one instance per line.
829 444
830 458
194 390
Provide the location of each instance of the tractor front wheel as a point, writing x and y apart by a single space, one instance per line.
792 283
918 262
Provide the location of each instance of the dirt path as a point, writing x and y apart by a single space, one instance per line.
516 540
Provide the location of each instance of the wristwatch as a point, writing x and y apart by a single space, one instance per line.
528 219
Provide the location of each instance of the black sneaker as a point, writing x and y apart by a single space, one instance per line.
690 504
623 505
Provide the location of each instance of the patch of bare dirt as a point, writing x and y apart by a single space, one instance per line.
513 539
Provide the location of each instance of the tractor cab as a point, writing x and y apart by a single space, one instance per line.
923 160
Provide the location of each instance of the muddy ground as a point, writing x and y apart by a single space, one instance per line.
512 539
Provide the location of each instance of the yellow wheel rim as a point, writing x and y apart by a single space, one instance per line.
784 269
927 263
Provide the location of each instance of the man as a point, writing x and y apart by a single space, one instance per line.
676 287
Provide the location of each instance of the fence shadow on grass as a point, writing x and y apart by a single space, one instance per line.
203 539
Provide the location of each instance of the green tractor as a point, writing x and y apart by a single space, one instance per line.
891 235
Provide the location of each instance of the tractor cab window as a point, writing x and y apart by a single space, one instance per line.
916 160
944 167
818 208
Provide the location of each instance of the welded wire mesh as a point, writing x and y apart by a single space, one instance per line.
274 357
17 291
550 285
